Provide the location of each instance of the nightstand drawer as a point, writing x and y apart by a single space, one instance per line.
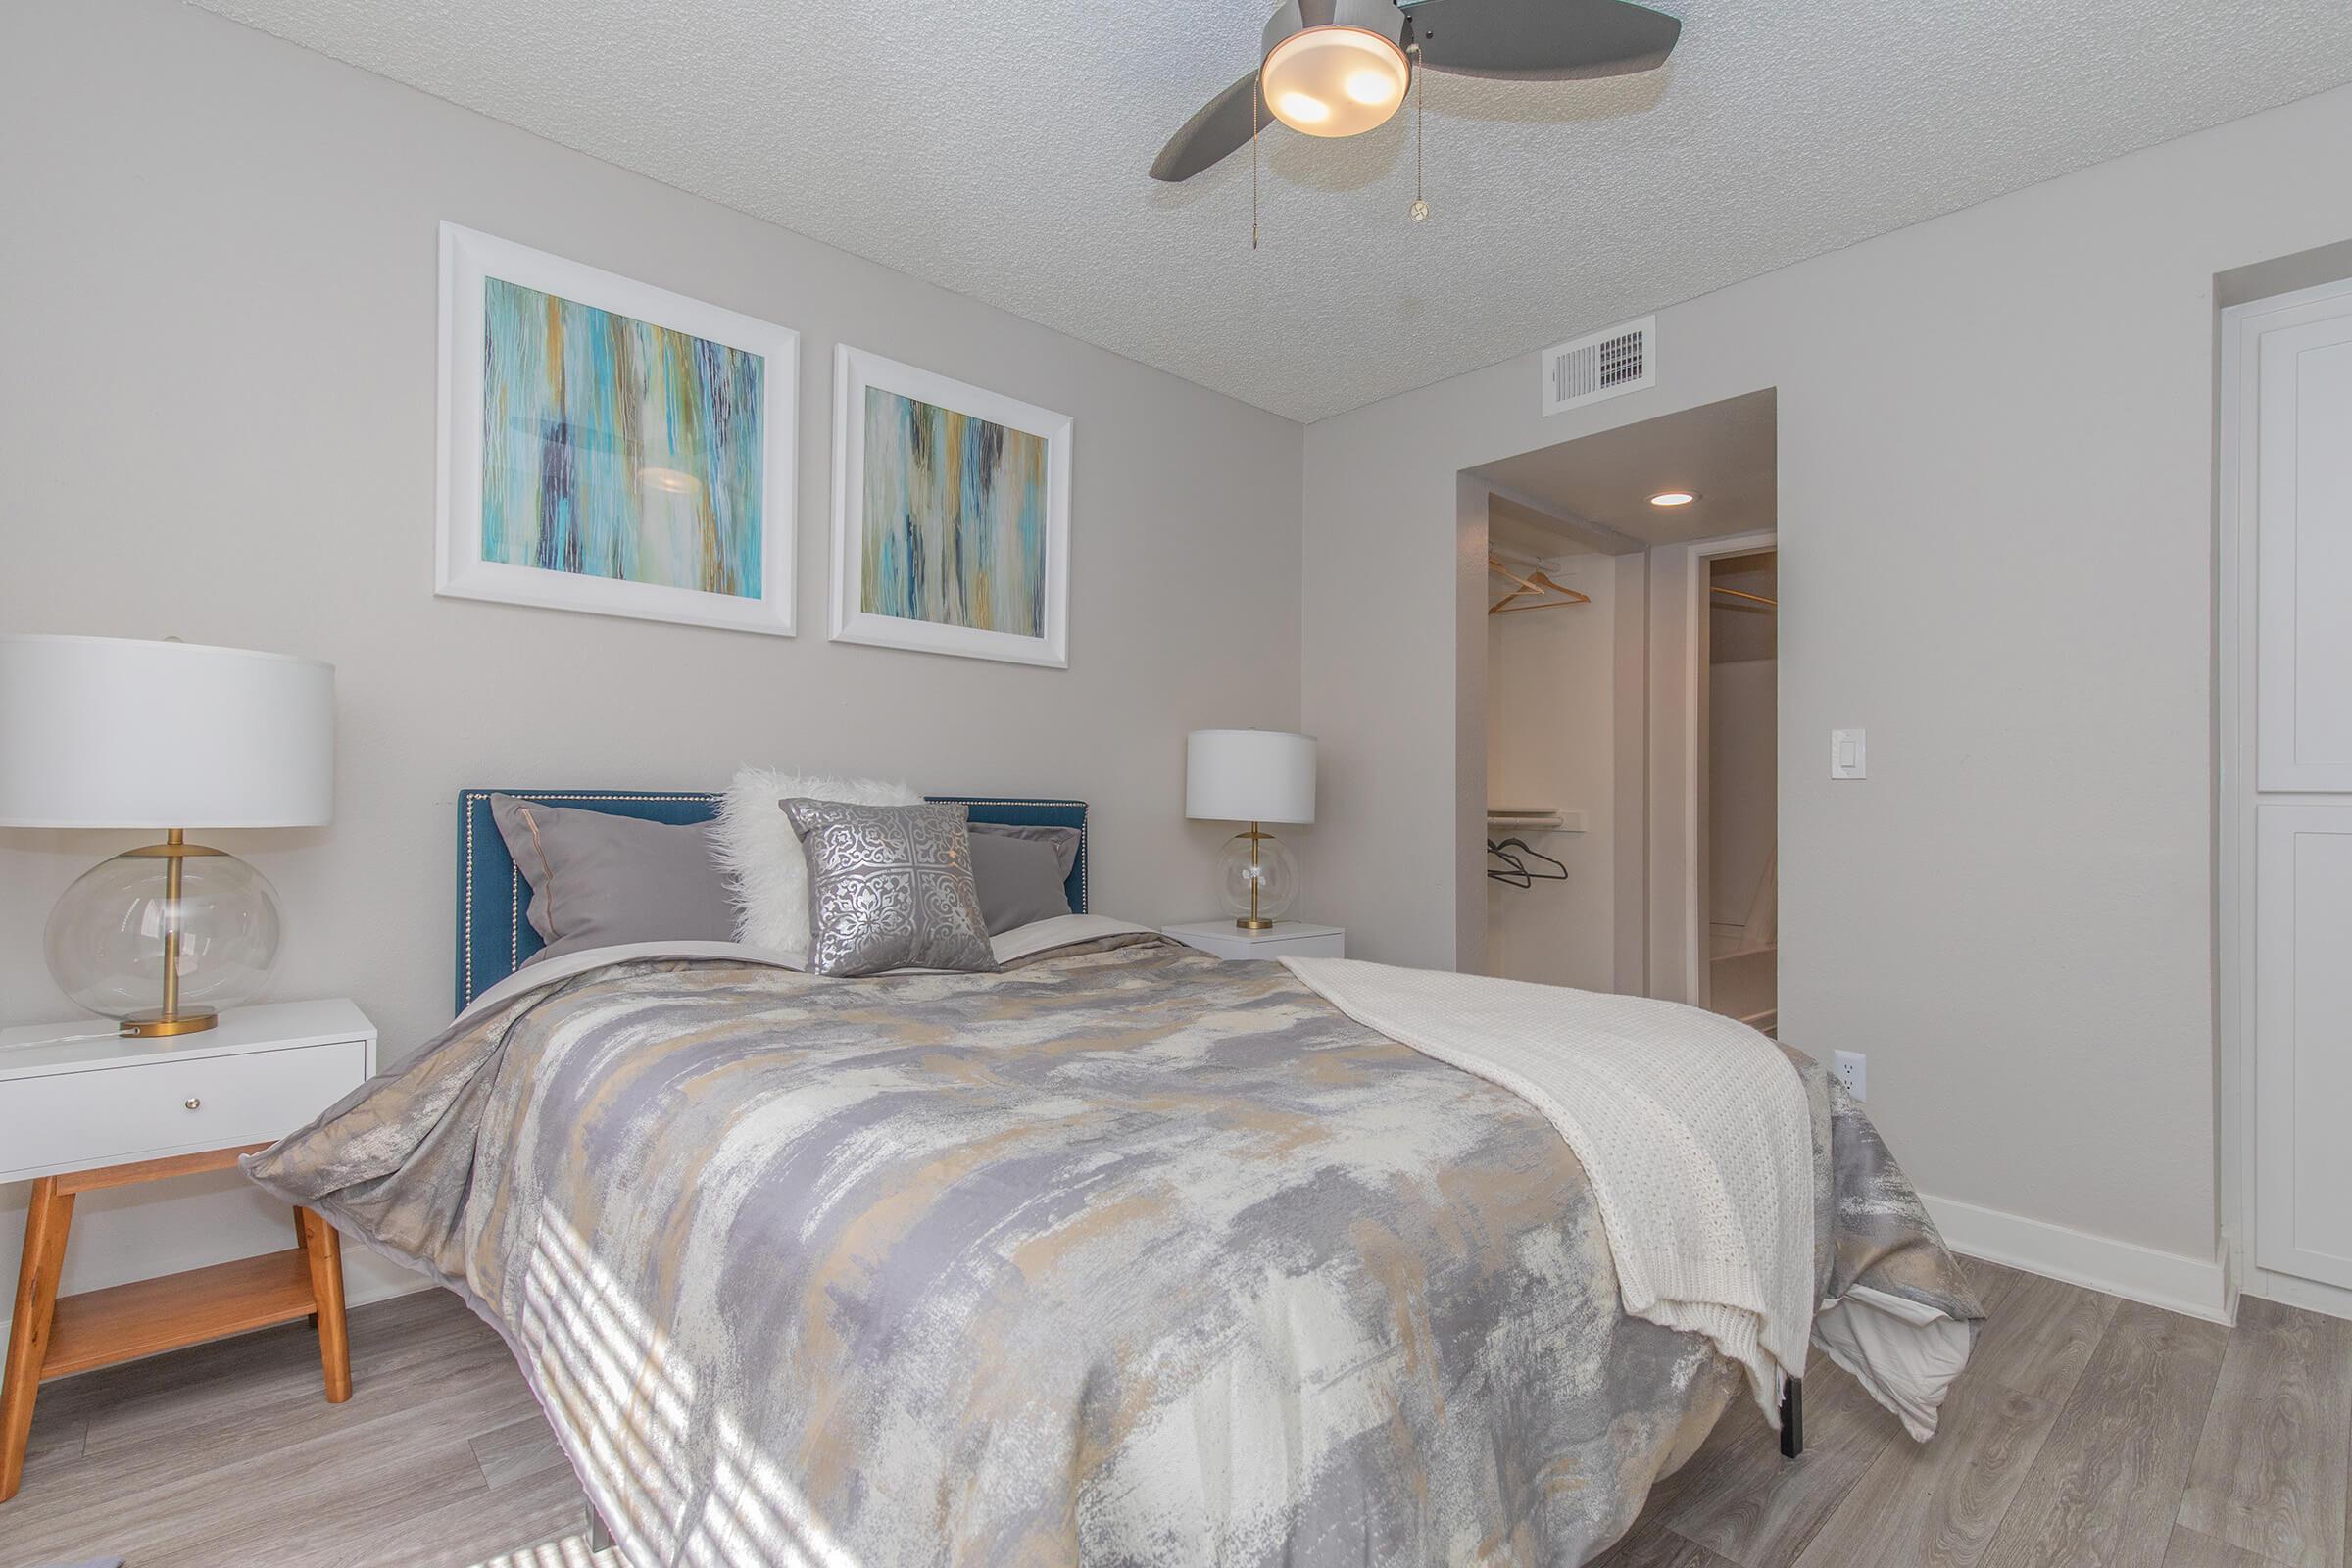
1314 947
1291 939
72 1119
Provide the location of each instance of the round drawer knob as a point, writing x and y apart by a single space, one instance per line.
194 1103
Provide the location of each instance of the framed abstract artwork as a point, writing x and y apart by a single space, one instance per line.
951 515
611 447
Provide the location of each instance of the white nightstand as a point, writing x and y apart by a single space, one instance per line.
1288 940
79 1115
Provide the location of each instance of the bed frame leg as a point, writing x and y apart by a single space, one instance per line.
1792 1418
600 1539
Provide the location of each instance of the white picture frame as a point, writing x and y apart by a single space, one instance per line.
470 260
855 372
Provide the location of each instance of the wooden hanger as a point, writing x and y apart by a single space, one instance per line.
1537 586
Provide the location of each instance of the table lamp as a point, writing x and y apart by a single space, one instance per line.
1255 776
111 732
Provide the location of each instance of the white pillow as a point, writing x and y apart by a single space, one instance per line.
756 847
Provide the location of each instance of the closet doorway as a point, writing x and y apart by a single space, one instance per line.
1739 860
1629 644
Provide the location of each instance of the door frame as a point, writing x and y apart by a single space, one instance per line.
2236 657
1697 577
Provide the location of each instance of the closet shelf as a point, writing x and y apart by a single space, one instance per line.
1535 819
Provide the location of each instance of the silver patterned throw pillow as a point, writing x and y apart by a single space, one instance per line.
890 887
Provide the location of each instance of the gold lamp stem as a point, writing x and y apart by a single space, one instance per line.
171 1018
175 873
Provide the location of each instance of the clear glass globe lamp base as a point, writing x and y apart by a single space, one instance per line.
162 937
1257 879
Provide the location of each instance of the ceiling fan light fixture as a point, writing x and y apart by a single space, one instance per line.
1377 50
1336 68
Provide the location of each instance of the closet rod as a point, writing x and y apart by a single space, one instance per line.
1737 593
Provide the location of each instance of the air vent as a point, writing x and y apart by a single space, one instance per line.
1606 364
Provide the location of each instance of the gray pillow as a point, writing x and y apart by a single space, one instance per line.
598 879
890 887
1020 870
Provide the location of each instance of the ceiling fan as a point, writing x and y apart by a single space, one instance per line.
1339 68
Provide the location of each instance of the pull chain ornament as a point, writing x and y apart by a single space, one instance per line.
1257 95
1420 208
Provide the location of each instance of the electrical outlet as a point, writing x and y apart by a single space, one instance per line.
1853 1071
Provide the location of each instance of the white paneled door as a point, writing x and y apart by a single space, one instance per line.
2304 479
2297 486
2303 1011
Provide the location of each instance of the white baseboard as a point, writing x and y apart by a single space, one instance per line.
2178 1283
2310 1295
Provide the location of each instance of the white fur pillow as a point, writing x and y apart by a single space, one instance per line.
756 848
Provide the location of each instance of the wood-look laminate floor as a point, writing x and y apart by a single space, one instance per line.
2088 1432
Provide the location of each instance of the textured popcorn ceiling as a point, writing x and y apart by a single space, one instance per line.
1000 149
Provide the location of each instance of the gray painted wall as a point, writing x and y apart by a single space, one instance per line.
1996 548
217 385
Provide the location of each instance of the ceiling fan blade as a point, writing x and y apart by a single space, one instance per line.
1540 40
1219 129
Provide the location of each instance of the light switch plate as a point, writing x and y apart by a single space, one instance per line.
1848 755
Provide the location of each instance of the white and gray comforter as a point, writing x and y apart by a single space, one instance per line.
1123 1256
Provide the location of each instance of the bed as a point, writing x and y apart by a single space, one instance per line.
1122 1254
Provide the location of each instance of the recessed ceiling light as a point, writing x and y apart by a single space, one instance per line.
1673 498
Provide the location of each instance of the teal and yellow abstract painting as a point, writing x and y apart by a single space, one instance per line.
616 448
954 517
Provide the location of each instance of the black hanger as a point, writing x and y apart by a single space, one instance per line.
1519 874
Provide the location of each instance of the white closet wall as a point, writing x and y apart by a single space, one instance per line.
1742 759
1549 710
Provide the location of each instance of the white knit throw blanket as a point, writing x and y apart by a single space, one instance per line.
1692 1129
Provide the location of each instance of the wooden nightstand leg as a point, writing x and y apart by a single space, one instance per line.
46 1221
326 1250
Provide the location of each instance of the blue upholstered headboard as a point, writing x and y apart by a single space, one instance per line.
494 938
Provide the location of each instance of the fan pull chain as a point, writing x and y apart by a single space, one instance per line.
1420 207
1257 91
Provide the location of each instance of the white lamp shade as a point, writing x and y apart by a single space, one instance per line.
116 732
1249 776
